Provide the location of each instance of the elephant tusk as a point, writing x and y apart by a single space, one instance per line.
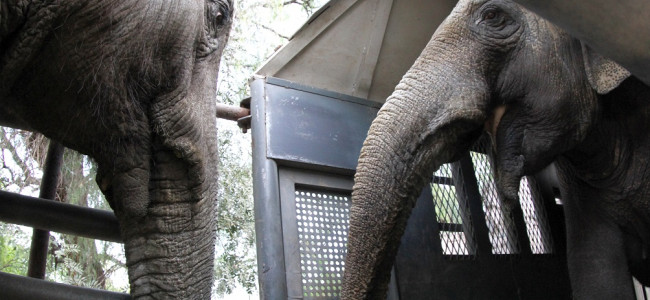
492 123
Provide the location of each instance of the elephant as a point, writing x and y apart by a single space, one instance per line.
543 96
617 29
132 84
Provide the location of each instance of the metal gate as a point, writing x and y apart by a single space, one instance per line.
459 243
44 215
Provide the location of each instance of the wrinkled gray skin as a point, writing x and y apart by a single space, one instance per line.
618 29
543 96
131 84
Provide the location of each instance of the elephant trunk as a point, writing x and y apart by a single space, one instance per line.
435 113
170 251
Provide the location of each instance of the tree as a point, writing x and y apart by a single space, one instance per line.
77 260
13 254
71 259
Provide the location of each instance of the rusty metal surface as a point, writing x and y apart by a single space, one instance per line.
240 114
231 112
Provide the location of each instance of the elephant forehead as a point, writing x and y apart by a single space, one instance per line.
478 3
466 6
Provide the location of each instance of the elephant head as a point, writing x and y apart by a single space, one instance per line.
131 84
490 66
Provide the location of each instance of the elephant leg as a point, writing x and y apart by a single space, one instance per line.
596 254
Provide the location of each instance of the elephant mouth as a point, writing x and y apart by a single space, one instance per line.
509 159
492 123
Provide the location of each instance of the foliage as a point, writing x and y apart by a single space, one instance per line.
77 260
71 259
13 255
235 258
446 203
23 154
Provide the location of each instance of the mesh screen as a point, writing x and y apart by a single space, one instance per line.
535 216
500 226
503 235
322 232
456 237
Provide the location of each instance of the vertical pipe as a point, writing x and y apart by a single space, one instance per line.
268 217
471 192
40 238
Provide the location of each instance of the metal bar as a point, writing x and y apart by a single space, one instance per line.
231 112
268 216
521 234
463 198
372 47
60 217
473 197
25 288
442 180
451 227
40 238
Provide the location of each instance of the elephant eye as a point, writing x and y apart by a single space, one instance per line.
219 18
494 17
496 21
491 15
223 15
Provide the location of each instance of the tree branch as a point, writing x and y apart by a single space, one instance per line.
274 31
27 172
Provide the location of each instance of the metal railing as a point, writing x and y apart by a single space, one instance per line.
45 215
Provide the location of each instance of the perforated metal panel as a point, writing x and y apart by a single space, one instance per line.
503 234
322 219
452 214
500 225
535 218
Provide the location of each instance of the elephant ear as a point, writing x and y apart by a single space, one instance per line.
603 74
